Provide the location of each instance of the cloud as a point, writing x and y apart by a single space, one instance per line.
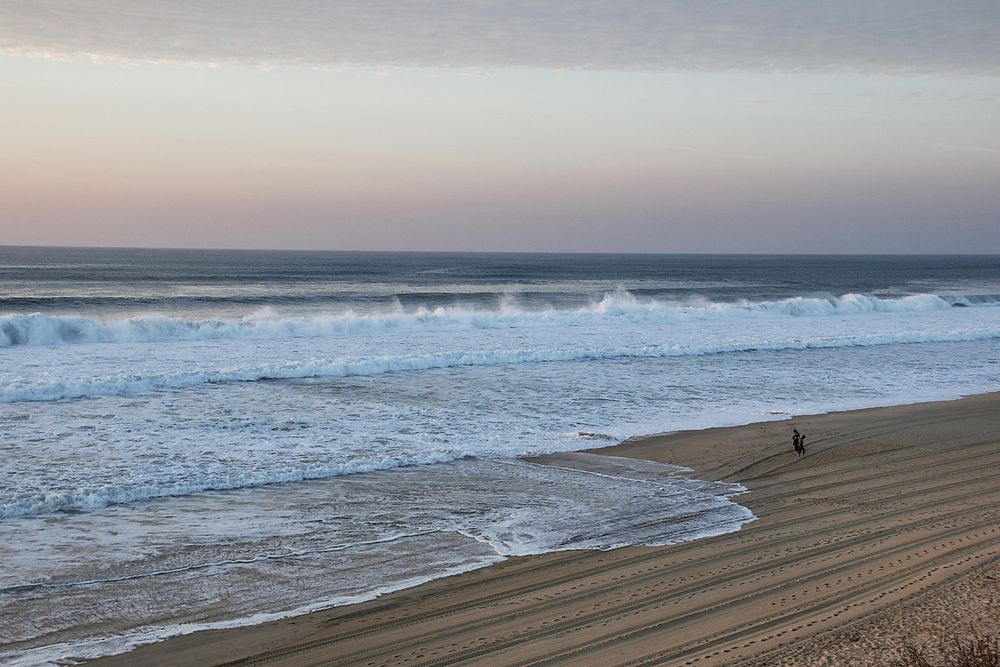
868 36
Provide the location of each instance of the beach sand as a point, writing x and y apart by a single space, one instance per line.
886 532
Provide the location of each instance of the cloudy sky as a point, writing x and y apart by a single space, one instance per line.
726 126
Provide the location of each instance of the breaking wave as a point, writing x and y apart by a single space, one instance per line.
41 329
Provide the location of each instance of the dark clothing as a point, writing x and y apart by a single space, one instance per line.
798 443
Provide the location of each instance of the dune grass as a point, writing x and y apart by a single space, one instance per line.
979 651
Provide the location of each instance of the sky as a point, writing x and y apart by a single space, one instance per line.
556 125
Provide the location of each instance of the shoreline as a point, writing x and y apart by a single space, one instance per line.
874 482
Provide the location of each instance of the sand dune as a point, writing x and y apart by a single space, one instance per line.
887 531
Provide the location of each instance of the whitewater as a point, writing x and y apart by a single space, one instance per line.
329 426
266 323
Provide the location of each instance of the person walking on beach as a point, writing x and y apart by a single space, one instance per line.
802 446
796 440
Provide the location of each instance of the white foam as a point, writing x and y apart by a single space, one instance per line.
67 653
510 507
24 504
256 558
46 388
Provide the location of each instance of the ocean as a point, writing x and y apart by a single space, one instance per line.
195 439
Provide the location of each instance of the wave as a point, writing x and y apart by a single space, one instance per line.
20 389
41 329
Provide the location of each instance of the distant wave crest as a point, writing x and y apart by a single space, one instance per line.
41 329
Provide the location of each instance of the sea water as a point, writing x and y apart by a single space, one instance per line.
194 439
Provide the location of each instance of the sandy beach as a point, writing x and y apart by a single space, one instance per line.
886 532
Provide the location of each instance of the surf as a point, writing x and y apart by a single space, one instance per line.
620 305
44 388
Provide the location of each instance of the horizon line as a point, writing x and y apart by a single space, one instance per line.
501 252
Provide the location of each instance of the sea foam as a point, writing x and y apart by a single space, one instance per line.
27 504
46 388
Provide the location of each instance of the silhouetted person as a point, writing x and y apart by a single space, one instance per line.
798 443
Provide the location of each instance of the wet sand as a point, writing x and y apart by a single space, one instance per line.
886 532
